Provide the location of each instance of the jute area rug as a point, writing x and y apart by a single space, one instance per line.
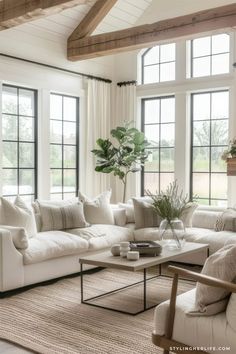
50 319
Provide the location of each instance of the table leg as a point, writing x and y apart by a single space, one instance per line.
144 289
81 283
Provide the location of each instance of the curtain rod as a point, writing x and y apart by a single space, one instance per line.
124 83
56 68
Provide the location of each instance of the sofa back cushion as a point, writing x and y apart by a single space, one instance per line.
65 217
205 219
144 213
98 210
226 220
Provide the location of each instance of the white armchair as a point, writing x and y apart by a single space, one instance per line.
175 331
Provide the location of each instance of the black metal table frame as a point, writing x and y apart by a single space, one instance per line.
144 281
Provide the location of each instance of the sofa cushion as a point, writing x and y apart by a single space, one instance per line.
147 234
129 210
205 219
52 244
187 214
144 213
31 227
211 331
119 216
231 311
226 221
61 218
98 210
18 234
103 236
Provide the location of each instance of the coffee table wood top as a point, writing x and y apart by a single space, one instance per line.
105 259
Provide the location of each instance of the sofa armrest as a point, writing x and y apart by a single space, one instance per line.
11 263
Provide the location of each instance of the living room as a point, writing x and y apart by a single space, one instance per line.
118 165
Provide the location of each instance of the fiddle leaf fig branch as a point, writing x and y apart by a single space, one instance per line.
126 155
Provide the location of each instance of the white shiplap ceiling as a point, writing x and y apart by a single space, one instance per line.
58 27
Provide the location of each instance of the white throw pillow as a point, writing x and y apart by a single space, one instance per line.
98 210
220 265
187 214
60 218
31 227
119 216
13 215
19 236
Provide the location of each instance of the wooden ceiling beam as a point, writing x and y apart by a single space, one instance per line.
16 12
90 22
148 35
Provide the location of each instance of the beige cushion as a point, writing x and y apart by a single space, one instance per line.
129 210
18 234
60 218
98 210
226 221
187 214
220 265
119 216
144 214
31 227
231 311
14 215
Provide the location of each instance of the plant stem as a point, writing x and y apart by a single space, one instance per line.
124 180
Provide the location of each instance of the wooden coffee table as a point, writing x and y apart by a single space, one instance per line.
106 260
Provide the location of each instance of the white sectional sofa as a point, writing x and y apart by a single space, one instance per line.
52 254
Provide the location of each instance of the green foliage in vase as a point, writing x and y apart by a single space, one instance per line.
126 155
171 203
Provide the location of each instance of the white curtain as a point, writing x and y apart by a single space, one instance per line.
97 126
126 107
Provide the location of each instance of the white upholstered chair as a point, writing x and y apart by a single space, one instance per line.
175 331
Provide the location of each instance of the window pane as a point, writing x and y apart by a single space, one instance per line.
55 106
201 46
9 154
56 156
152 163
9 182
56 181
200 159
26 129
151 182
152 111
201 185
69 109
220 203
167 160
55 132
201 67
220 64
26 155
167 72
217 164
152 133
167 110
220 105
69 157
201 133
69 131
219 186
69 180
26 102
167 135
220 43
151 74
219 132
201 106
26 182
56 196
152 56
9 100
165 180
167 52
9 127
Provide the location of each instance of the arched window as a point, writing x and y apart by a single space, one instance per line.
158 64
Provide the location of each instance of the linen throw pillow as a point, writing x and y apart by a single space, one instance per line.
18 214
98 210
19 236
187 214
119 216
221 265
144 214
129 211
62 217
226 221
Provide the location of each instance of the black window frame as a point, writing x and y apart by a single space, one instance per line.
211 55
159 148
192 196
76 168
18 141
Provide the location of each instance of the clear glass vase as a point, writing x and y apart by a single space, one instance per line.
172 233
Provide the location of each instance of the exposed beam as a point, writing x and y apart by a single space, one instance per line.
150 34
90 22
16 12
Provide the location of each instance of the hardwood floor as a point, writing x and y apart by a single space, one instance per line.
10 348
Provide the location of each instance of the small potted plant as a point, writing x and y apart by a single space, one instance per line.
229 156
